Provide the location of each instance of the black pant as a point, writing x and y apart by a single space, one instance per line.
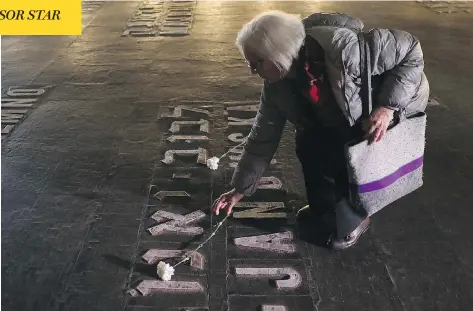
322 156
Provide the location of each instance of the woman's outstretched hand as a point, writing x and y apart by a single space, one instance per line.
227 201
378 123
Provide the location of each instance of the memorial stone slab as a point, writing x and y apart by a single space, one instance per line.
261 263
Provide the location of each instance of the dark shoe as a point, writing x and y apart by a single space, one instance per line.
352 238
315 228
304 215
307 215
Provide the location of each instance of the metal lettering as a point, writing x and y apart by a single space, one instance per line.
177 113
11 116
18 102
139 32
269 242
161 216
152 256
181 10
176 223
7 129
238 150
173 138
236 137
141 24
178 14
151 13
238 121
14 111
260 210
149 287
240 102
176 125
174 31
235 158
10 121
270 183
292 282
200 152
249 108
140 18
150 9
163 194
181 175
25 92
178 19
273 308
176 24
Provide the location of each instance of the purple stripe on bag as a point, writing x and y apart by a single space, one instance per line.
390 179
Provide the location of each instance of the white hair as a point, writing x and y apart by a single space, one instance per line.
273 35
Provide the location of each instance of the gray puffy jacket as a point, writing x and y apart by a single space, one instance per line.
399 83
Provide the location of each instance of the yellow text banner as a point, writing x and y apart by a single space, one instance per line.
40 17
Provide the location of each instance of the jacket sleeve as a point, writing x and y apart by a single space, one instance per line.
397 55
261 145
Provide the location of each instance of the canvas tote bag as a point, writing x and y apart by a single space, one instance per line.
384 172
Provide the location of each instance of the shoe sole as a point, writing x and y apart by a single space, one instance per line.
357 238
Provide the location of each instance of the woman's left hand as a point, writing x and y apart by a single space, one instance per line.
377 124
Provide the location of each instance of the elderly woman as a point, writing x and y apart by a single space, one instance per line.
311 72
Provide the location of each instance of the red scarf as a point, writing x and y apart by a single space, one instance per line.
313 89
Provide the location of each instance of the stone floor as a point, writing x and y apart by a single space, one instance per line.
86 125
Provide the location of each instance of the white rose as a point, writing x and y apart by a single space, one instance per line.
165 271
212 163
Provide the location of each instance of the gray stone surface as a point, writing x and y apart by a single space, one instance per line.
81 173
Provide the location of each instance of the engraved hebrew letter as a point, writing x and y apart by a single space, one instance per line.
153 256
270 242
292 282
181 175
149 287
25 92
18 102
200 152
176 223
249 108
177 113
273 308
236 137
260 210
270 183
189 138
176 125
163 194
238 121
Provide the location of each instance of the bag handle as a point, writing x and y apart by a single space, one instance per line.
365 70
